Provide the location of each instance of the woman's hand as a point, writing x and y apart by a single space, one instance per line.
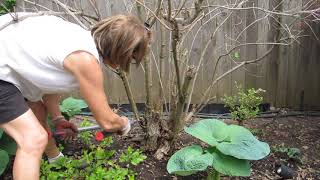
70 130
126 128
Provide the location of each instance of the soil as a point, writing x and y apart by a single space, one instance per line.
292 132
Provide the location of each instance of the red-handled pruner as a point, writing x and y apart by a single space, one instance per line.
99 135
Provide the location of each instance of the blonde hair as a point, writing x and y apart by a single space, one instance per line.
120 38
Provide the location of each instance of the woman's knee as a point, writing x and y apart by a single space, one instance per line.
35 141
27 132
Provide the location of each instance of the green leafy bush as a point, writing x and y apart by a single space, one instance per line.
95 163
7 6
132 156
86 136
291 153
71 106
244 105
231 147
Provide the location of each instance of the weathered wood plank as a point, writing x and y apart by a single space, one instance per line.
223 42
251 51
263 28
239 54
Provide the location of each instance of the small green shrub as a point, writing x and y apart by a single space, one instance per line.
7 6
86 136
71 106
244 105
231 147
291 153
94 163
132 156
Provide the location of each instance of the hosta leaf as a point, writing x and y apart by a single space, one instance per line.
72 106
8 144
229 165
242 144
189 160
231 140
209 130
4 160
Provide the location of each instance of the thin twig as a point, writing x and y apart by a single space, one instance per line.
67 10
204 102
40 13
154 14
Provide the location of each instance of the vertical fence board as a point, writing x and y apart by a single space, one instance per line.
263 28
251 51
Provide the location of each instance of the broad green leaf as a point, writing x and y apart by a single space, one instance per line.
72 106
189 160
231 140
210 131
1 132
8 144
242 144
229 165
4 160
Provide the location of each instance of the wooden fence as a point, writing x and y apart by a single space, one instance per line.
290 74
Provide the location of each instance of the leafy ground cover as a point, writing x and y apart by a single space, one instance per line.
284 135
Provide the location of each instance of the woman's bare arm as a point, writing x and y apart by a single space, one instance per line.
87 70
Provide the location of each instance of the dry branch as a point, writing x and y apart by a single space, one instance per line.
67 10
126 84
17 18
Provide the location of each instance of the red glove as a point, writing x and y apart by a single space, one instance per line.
69 128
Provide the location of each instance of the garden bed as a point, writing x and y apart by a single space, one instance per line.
287 132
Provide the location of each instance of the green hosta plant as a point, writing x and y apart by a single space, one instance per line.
71 106
244 105
230 148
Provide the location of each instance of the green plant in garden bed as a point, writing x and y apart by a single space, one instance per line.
291 153
132 156
244 105
230 148
94 163
7 6
71 106
86 136
256 132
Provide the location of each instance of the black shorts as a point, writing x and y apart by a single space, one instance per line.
12 103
